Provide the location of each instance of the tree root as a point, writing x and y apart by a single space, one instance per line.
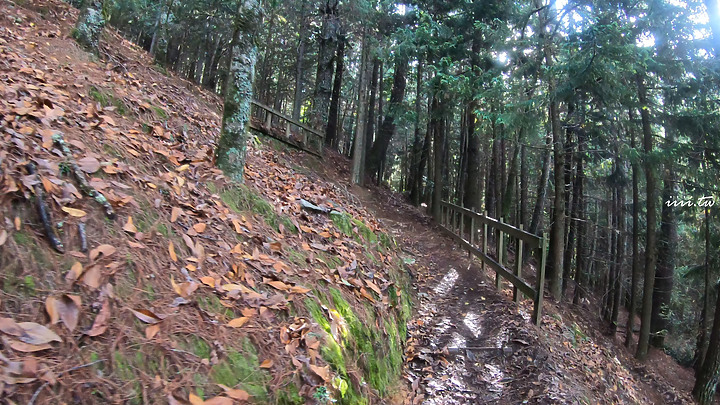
44 211
85 186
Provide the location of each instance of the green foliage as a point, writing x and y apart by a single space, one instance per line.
242 369
107 98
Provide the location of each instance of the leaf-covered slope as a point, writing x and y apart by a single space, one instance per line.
164 282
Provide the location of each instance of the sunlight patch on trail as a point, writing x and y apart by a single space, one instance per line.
472 321
447 283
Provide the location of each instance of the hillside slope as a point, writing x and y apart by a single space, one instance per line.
189 287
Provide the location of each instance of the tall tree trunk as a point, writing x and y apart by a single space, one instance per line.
331 135
707 379
619 256
701 345
370 128
232 145
557 235
89 25
634 293
438 154
667 246
569 233
542 189
358 158
326 61
523 187
581 261
387 130
299 64
650 253
415 173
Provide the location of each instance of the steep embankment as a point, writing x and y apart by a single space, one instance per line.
197 287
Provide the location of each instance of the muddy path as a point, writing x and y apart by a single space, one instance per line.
468 343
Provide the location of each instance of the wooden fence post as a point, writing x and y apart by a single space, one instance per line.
518 266
539 288
485 239
500 250
472 234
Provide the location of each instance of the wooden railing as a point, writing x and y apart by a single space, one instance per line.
306 138
455 220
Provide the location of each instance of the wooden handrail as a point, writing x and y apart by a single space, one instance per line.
290 120
449 223
532 240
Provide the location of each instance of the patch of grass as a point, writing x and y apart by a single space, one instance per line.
242 369
106 99
295 256
112 151
124 370
196 346
164 230
365 231
149 292
212 304
159 111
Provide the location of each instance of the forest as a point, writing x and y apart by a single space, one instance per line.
596 123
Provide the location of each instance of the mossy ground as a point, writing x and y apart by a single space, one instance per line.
241 199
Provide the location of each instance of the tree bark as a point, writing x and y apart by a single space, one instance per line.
326 61
387 130
89 25
634 294
650 253
232 145
667 247
358 158
438 154
331 135
701 345
415 179
299 65
707 379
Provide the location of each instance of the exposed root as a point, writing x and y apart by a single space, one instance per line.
44 212
81 179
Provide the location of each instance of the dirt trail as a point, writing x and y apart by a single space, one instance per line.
468 343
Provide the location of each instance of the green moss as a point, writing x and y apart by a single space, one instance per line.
106 99
296 257
242 369
365 231
123 370
240 199
164 230
149 292
112 151
196 346
212 305
29 285
317 313
289 394
21 238
161 113
343 222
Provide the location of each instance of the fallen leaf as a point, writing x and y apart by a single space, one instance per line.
299 290
322 372
101 323
129 226
105 250
267 364
240 395
200 227
9 326
3 237
18 224
65 309
73 212
208 281
238 322
152 330
75 271
279 285
195 400
24 347
36 334
146 316
175 214
92 276
89 164
219 401
171 249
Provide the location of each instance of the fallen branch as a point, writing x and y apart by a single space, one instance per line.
81 179
43 211
83 237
